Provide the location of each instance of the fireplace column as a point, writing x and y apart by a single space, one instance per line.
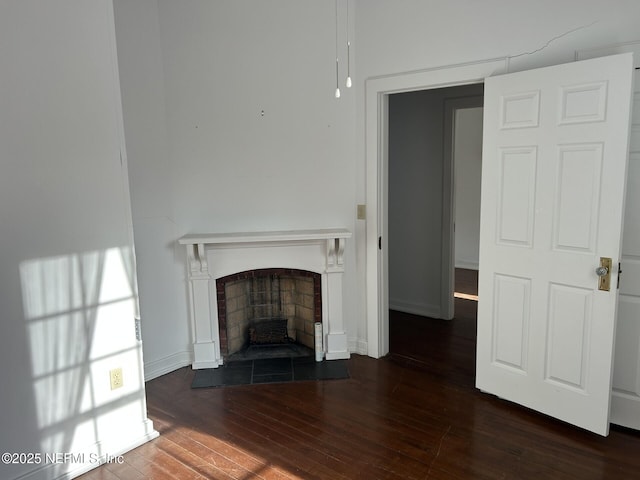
337 345
206 351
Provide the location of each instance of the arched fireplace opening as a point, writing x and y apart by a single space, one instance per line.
268 313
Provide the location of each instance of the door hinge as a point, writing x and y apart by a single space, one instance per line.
379 243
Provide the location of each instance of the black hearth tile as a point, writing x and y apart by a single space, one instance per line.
271 366
273 378
235 375
275 370
239 364
304 360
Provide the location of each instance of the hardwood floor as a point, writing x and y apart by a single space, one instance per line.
412 415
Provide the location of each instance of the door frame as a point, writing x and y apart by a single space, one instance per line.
377 93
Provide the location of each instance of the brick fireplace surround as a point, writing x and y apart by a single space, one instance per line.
215 256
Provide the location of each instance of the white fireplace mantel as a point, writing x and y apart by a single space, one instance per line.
214 255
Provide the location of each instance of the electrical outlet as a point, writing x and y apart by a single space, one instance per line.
116 378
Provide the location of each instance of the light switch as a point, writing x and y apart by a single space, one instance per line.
362 212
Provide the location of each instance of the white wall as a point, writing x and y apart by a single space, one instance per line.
408 35
231 125
67 271
233 168
415 201
467 154
160 266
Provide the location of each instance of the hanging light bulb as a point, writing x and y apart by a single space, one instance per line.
348 82
337 86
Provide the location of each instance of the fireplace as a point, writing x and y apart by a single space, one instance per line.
268 313
311 256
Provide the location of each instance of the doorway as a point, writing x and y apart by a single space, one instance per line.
377 128
435 141
435 150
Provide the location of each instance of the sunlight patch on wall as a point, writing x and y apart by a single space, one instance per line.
79 311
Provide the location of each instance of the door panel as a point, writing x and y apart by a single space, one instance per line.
511 322
554 164
577 207
567 336
517 183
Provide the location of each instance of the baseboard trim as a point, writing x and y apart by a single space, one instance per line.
358 346
93 456
424 310
162 366
467 265
624 409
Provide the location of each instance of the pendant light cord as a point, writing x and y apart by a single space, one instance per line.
348 82
337 85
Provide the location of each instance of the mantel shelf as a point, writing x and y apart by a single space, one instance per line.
257 237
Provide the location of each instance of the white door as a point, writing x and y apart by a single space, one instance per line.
554 163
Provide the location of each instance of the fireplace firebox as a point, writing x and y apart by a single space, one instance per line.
265 308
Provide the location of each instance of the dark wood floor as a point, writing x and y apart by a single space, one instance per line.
412 415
